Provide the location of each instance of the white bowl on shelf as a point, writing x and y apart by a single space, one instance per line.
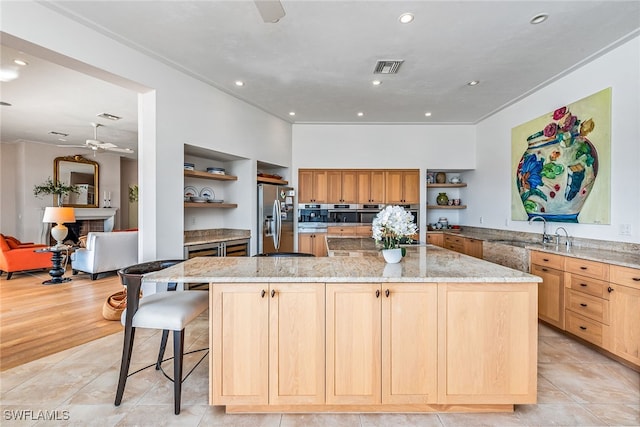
198 199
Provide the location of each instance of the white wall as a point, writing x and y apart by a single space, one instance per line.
489 192
174 109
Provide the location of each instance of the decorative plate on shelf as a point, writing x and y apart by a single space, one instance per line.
190 191
207 193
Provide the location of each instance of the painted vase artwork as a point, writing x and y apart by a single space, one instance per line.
555 175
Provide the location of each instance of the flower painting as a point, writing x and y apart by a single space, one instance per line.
561 163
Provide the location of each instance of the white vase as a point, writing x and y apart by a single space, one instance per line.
392 256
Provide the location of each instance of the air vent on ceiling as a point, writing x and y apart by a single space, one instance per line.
387 67
109 116
53 132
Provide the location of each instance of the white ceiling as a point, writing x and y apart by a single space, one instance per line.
319 59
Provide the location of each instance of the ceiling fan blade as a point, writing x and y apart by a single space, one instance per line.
119 150
73 146
270 10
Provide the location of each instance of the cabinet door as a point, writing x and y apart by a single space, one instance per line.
473 247
320 244
624 306
411 187
239 344
320 186
487 343
364 187
334 186
409 343
376 192
353 343
393 186
435 239
305 186
349 187
296 343
305 243
550 295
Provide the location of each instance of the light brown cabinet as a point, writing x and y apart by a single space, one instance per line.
396 320
402 186
312 186
335 230
371 186
473 247
313 243
282 364
551 290
464 245
600 302
624 303
342 186
436 239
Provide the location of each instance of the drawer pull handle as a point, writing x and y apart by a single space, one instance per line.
386 293
584 285
544 269
583 304
636 279
583 268
377 293
545 259
584 328
262 294
273 293
609 289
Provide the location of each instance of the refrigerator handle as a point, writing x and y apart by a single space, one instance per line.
277 221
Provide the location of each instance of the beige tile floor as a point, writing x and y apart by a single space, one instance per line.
576 387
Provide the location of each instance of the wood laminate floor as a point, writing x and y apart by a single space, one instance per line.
38 320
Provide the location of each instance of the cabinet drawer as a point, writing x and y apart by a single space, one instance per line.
342 231
583 327
625 276
546 259
363 230
595 287
589 306
597 270
453 239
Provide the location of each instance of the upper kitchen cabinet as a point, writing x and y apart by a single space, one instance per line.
402 186
312 186
370 186
342 186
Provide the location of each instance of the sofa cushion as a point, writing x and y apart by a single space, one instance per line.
4 246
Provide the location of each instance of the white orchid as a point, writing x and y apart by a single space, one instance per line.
392 224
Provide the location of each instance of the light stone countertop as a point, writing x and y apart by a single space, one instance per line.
215 235
425 264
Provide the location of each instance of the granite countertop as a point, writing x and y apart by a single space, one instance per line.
424 264
214 235
356 246
625 259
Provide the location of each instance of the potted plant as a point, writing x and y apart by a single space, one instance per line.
57 188
390 226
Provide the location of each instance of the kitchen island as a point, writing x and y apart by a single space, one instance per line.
439 331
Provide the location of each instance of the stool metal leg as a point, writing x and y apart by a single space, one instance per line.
178 346
127 348
163 346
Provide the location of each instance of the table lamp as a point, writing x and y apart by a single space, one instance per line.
59 216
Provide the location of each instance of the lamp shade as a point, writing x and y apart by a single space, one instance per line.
59 215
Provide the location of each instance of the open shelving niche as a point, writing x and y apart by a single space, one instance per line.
435 211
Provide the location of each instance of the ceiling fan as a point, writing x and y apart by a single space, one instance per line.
270 10
96 145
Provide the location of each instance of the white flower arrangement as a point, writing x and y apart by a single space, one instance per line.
392 224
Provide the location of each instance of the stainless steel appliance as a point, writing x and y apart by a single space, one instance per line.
365 213
342 213
229 248
275 218
313 212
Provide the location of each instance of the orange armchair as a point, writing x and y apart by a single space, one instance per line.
18 256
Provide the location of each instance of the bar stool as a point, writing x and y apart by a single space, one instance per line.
169 311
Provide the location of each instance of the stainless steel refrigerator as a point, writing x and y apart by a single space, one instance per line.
276 207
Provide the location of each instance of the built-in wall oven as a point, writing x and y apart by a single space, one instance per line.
367 212
313 212
343 213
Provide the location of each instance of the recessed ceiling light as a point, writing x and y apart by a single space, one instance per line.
62 139
376 82
539 18
406 18
8 75
53 132
360 114
109 116
292 113
473 82
20 62
239 83
427 114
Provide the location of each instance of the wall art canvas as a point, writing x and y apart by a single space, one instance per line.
561 163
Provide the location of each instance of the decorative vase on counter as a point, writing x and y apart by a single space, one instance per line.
558 169
442 199
392 256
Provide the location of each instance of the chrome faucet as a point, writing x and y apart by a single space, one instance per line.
567 241
545 237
